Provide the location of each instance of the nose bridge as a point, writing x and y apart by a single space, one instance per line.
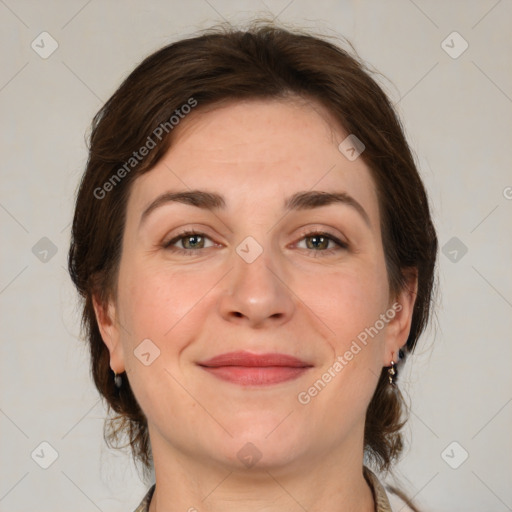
256 292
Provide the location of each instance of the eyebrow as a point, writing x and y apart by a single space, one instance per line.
306 200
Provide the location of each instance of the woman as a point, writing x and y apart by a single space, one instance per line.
255 251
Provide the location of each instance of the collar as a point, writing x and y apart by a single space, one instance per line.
379 494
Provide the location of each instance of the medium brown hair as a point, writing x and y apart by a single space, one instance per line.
229 64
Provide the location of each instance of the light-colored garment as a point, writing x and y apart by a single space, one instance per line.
384 501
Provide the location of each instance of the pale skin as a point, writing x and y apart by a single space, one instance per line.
303 296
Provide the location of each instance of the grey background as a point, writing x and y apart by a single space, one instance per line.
457 116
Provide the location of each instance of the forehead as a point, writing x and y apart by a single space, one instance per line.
258 151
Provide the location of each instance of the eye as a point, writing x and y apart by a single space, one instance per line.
322 242
190 241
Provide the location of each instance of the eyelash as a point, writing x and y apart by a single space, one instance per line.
307 234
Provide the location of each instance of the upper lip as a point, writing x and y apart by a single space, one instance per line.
242 358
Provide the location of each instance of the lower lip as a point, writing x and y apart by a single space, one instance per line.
256 375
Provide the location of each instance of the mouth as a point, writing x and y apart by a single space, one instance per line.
247 369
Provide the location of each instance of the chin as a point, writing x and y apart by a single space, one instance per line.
264 443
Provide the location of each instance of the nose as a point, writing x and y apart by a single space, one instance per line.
256 294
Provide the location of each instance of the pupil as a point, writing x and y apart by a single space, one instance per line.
193 240
318 241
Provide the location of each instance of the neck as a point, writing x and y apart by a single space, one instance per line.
331 481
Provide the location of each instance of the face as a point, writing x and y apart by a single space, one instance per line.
263 265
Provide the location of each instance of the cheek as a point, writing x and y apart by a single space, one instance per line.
350 303
348 300
156 297
164 305
161 311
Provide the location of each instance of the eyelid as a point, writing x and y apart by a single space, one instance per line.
305 232
309 231
184 234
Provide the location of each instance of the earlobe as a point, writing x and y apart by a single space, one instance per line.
110 332
399 328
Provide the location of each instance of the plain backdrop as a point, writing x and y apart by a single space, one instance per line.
456 105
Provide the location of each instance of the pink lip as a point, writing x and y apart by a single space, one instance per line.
249 369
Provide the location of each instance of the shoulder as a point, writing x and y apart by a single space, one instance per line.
144 504
397 504
386 499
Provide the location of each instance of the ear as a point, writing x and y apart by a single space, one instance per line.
110 331
398 329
